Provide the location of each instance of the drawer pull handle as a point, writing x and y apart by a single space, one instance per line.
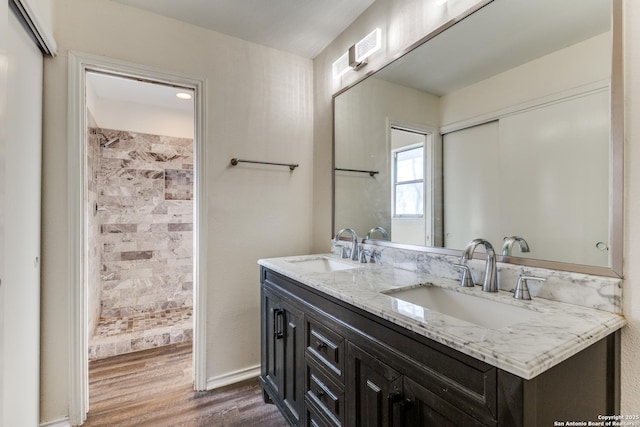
320 345
320 392
278 322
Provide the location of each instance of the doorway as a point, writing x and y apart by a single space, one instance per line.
139 209
135 182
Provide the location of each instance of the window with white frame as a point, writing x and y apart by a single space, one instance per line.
408 181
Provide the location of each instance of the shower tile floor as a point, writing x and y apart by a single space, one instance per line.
126 334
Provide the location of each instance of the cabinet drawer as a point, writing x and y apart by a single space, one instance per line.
316 417
326 347
325 393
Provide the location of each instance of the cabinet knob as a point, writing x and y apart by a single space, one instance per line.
320 345
320 392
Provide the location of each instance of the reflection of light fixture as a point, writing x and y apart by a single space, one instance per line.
183 95
356 56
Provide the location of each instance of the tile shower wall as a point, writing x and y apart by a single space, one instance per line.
145 207
93 226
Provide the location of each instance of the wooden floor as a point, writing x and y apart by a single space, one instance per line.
154 388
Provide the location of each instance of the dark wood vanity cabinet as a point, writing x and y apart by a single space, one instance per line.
282 348
327 363
382 396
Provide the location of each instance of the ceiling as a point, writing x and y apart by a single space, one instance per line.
132 91
302 27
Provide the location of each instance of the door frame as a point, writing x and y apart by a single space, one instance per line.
79 64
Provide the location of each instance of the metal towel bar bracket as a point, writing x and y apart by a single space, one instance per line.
291 166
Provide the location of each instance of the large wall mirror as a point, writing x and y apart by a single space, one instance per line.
500 127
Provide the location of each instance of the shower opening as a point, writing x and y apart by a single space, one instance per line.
139 201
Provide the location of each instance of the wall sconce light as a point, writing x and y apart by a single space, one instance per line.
356 57
341 66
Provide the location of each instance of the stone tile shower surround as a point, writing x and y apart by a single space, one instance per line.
145 214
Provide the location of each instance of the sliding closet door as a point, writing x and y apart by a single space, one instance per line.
22 190
471 185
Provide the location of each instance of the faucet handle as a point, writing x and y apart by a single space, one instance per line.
363 254
522 290
344 251
466 281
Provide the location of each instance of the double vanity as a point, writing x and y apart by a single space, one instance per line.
368 344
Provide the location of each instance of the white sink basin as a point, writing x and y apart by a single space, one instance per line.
480 311
322 265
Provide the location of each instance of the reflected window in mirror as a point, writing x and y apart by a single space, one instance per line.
408 182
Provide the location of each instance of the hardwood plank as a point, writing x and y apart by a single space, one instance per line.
154 388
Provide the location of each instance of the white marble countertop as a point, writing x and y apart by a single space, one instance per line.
526 349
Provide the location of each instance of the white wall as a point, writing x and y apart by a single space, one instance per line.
259 105
631 286
409 18
127 116
112 114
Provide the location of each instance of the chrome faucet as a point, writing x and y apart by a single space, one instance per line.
507 246
490 280
383 233
354 244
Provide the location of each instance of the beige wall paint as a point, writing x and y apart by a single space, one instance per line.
408 18
259 106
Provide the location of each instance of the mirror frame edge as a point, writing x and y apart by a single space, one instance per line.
616 209
616 228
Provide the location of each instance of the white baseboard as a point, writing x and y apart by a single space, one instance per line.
58 423
233 377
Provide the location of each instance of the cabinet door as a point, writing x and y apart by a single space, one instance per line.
293 365
372 388
421 407
283 353
272 342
